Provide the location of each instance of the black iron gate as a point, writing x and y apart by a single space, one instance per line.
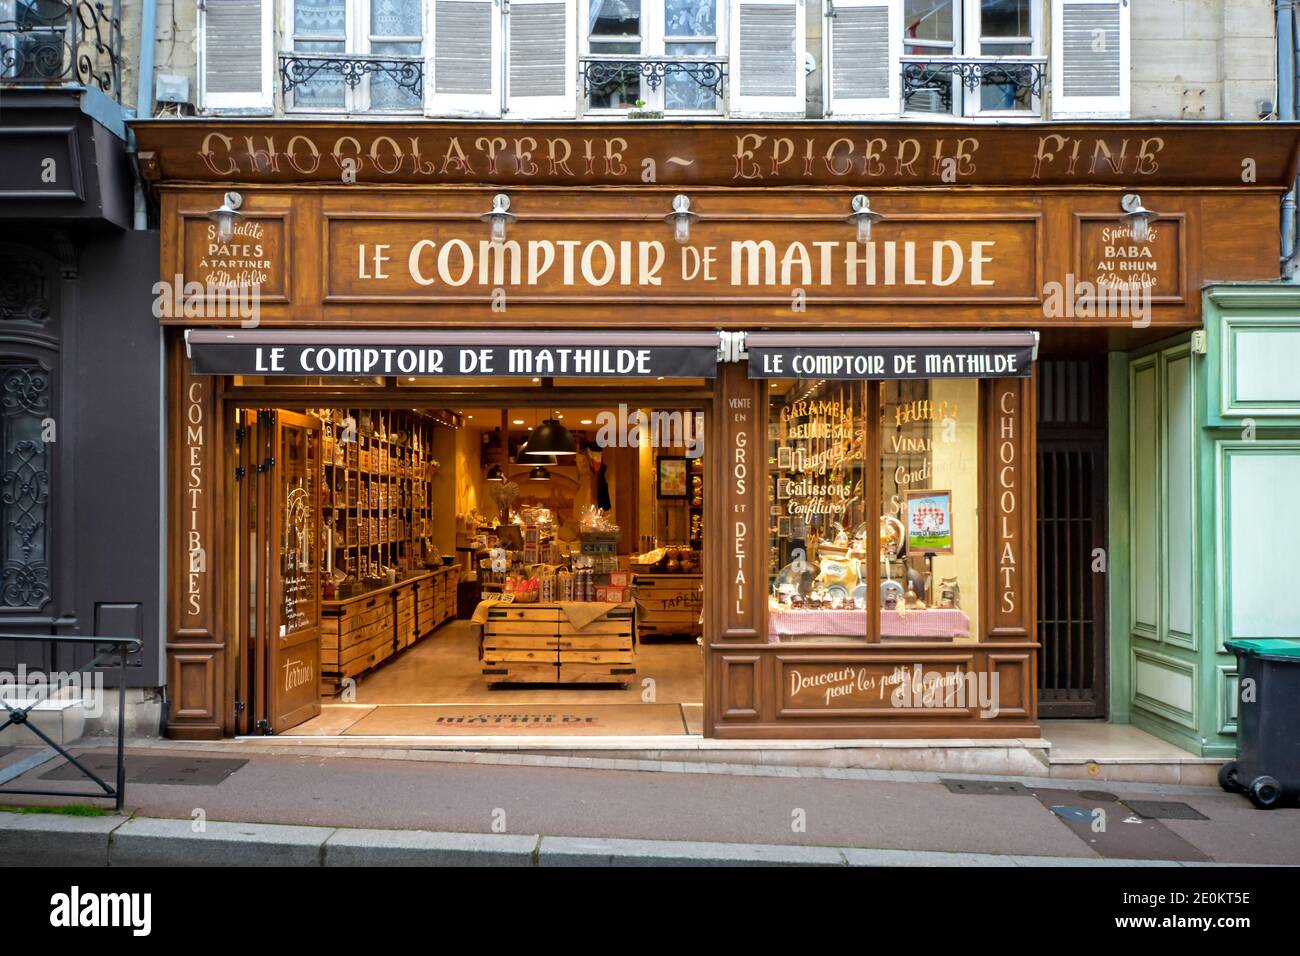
1072 537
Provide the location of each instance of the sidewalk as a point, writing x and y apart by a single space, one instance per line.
42 840
605 798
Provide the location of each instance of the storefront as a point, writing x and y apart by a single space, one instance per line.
855 313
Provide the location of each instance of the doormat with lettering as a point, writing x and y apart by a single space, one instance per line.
541 720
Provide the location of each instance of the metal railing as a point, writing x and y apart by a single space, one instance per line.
708 73
404 72
51 42
937 79
20 716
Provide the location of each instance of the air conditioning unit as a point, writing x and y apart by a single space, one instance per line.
926 101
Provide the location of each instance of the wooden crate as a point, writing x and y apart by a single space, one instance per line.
668 604
534 643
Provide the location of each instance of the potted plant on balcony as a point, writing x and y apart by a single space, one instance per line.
640 112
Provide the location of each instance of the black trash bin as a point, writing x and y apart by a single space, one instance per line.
1267 768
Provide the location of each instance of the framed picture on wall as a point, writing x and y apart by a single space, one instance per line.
672 478
929 522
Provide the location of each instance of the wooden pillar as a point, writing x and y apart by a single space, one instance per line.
195 645
736 546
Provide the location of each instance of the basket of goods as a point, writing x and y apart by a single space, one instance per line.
523 590
649 562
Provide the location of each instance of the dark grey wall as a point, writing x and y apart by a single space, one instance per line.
115 389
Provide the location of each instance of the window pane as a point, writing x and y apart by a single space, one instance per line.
928 566
930 91
822 542
320 18
682 92
1004 18
325 90
395 18
690 18
1006 89
616 18
928 20
385 92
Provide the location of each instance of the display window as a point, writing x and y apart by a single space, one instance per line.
873 491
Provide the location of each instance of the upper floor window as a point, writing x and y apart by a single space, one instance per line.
655 55
353 56
977 58
968 57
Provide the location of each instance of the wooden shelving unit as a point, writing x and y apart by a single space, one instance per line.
377 504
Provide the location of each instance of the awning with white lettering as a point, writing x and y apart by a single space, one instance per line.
891 355
501 353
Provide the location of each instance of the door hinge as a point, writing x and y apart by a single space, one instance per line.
240 433
240 472
264 727
266 465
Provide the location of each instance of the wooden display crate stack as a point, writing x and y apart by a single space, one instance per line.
668 604
535 643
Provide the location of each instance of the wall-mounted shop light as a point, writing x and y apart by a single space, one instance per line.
226 215
863 216
681 217
499 217
1137 217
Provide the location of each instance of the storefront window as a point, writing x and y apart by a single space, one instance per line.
874 526
929 490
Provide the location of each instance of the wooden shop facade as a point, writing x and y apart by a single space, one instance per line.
860 314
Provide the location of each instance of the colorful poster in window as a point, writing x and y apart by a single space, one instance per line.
929 522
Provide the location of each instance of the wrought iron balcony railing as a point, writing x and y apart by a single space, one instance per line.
707 73
52 42
404 72
930 83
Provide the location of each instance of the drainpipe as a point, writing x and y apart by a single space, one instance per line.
1288 35
144 102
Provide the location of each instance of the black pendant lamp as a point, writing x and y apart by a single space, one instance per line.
551 438
524 457
496 474
539 474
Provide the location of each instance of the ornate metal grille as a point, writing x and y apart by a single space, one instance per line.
405 73
708 74
25 483
1024 77
59 41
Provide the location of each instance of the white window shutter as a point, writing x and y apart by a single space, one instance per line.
768 40
462 74
1090 59
541 59
863 69
236 56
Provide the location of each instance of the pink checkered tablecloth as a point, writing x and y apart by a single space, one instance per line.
930 623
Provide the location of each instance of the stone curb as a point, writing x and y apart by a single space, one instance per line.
54 840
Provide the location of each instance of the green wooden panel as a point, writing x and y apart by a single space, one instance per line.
1165 686
1179 501
1144 499
1259 534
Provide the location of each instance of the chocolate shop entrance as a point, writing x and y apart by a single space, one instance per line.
404 567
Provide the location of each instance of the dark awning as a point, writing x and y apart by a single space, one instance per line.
500 353
891 355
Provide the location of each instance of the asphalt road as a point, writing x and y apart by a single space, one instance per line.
725 807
